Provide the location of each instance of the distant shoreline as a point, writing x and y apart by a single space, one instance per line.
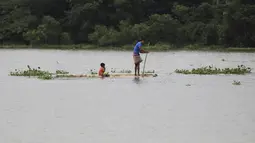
154 48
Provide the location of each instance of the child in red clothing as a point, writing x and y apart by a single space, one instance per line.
102 70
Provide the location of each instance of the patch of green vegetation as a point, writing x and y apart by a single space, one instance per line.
14 46
61 72
29 72
65 75
120 71
33 72
125 71
235 49
208 70
155 47
46 75
236 82
129 71
149 71
92 71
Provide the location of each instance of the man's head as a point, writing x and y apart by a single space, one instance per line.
102 65
141 40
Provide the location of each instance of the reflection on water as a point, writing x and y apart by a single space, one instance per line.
137 80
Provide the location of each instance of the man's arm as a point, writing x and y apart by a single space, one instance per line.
143 51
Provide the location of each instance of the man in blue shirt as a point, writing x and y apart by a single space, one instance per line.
136 56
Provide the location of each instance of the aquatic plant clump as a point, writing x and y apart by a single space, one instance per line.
61 72
236 82
30 72
65 75
96 76
46 75
129 71
208 70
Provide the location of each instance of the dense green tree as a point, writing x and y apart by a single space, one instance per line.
120 22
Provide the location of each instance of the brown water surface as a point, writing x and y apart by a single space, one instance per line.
125 110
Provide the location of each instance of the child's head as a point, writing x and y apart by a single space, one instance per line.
102 65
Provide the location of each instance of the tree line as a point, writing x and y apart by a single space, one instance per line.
121 22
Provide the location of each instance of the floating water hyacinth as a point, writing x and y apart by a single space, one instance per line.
125 71
61 72
241 69
46 75
93 71
236 82
150 71
33 73
29 72
129 71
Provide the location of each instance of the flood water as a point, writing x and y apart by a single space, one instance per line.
124 110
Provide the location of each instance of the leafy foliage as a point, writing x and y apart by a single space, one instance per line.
122 22
208 70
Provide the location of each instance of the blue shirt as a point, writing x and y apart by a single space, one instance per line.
137 48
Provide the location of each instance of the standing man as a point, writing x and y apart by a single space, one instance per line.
136 56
